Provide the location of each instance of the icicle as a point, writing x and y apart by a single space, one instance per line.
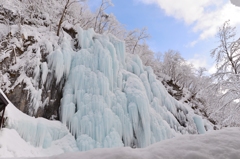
105 105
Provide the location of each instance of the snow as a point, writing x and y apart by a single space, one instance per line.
39 136
12 145
3 31
31 65
221 144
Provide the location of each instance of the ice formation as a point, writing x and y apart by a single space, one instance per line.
110 100
199 124
39 132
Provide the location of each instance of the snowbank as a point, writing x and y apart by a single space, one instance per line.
27 136
221 144
12 145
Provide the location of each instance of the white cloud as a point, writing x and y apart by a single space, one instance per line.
192 44
210 22
212 69
202 61
198 61
206 16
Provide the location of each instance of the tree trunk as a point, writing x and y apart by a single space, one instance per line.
62 17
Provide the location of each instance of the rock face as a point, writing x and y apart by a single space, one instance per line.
22 88
18 96
23 54
8 15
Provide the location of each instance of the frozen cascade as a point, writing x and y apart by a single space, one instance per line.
40 132
199 124
111 101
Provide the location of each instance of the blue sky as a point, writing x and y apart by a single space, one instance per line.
182 25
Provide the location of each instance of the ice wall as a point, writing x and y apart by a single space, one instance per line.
199 124
39 132
110 100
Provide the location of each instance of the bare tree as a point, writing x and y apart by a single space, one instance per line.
67 5
114 27
146 55
227 54
134 37
226 88
83 16
101 18
172 60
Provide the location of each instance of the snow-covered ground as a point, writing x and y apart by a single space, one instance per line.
221 144
12 145
26 136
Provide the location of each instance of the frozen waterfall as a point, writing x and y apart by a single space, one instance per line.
110 100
